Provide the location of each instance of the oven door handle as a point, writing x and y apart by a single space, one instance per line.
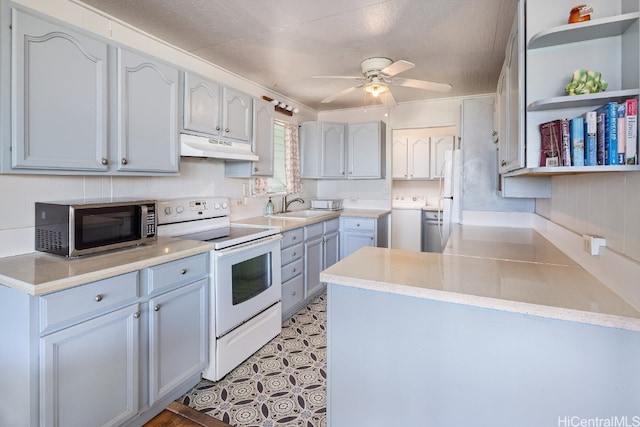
248 245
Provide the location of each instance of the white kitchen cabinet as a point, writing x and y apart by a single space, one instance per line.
321 243
60 98
419 156
83 106
112 352
323 150
236 114
262 145
366 150
147 128
292 253
358 232
201 105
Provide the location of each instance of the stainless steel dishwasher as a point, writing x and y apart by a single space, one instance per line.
431 229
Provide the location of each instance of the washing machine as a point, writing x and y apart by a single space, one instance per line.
406 222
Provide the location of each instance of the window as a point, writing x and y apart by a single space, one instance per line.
286 167
278 183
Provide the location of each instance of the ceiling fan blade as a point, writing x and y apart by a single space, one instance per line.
422 84
339 77
397 68
388 100
341 93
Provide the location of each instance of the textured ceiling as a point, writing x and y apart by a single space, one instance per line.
281 44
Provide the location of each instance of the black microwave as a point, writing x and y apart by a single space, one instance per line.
75 228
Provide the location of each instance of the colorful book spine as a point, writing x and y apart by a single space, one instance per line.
600 144
566 142
610 124
622 132
631 148
576 132
550 140
590 138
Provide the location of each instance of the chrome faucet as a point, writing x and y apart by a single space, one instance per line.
285 203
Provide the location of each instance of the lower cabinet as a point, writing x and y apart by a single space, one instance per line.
112 352
358 232
292 271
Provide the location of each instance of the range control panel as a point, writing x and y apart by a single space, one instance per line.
188 209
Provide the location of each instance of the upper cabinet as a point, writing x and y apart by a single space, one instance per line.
419 156
342 151
548 51
77 110
215 110
147 105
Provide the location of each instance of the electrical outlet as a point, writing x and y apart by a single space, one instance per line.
353 199
592 244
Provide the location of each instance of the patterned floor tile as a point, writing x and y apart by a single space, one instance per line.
282 385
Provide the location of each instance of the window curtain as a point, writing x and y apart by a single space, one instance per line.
291 163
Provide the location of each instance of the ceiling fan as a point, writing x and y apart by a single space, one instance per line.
377 77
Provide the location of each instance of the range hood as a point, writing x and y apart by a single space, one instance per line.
214 148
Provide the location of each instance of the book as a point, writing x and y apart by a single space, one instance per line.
600 144
565 154
609 111
550 141
590 130
622 132
576 132
631 147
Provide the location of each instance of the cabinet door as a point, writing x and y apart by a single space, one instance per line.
503 125
352 241
364 150
331 249
515 141
178 336
201 105
418 156
236 114
313 261
399 159
89 372
59 91
439 145
263 137
148 114
332 154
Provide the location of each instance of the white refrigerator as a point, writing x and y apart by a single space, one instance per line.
450 193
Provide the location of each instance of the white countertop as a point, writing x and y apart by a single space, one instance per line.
506 269
40 273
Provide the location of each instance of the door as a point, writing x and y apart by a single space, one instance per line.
201 105
399 159
439 146
332 155
263 137
313 262
515 142
59 84
331 249
178 337
237 109
147 114
247 280
89 372
354 241
364 150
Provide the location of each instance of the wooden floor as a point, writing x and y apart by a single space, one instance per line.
179 415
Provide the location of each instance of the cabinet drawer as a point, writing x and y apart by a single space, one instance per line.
175 273
292 237
72 305
292 293
362 224
291 270
331 225
292 253
312 231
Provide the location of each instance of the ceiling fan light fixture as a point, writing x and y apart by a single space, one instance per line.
375 89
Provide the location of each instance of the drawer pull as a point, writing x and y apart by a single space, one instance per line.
136 315
295 253
99 297
156 308
295 237
294 270
183 271
293 293
358 225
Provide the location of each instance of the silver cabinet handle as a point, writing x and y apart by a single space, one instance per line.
217 127
156 308
295 237
294 270
136 315
99 297
104 161
295 253
503 163
255 169
183 271
226 130
124 161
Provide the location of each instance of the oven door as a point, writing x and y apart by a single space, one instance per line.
246 280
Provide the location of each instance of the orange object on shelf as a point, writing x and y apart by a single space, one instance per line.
580 13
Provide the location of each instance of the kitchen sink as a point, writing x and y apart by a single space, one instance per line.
302 215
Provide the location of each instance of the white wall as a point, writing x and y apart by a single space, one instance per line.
603 204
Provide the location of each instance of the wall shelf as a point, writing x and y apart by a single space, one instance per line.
582 31
586 100
566 170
